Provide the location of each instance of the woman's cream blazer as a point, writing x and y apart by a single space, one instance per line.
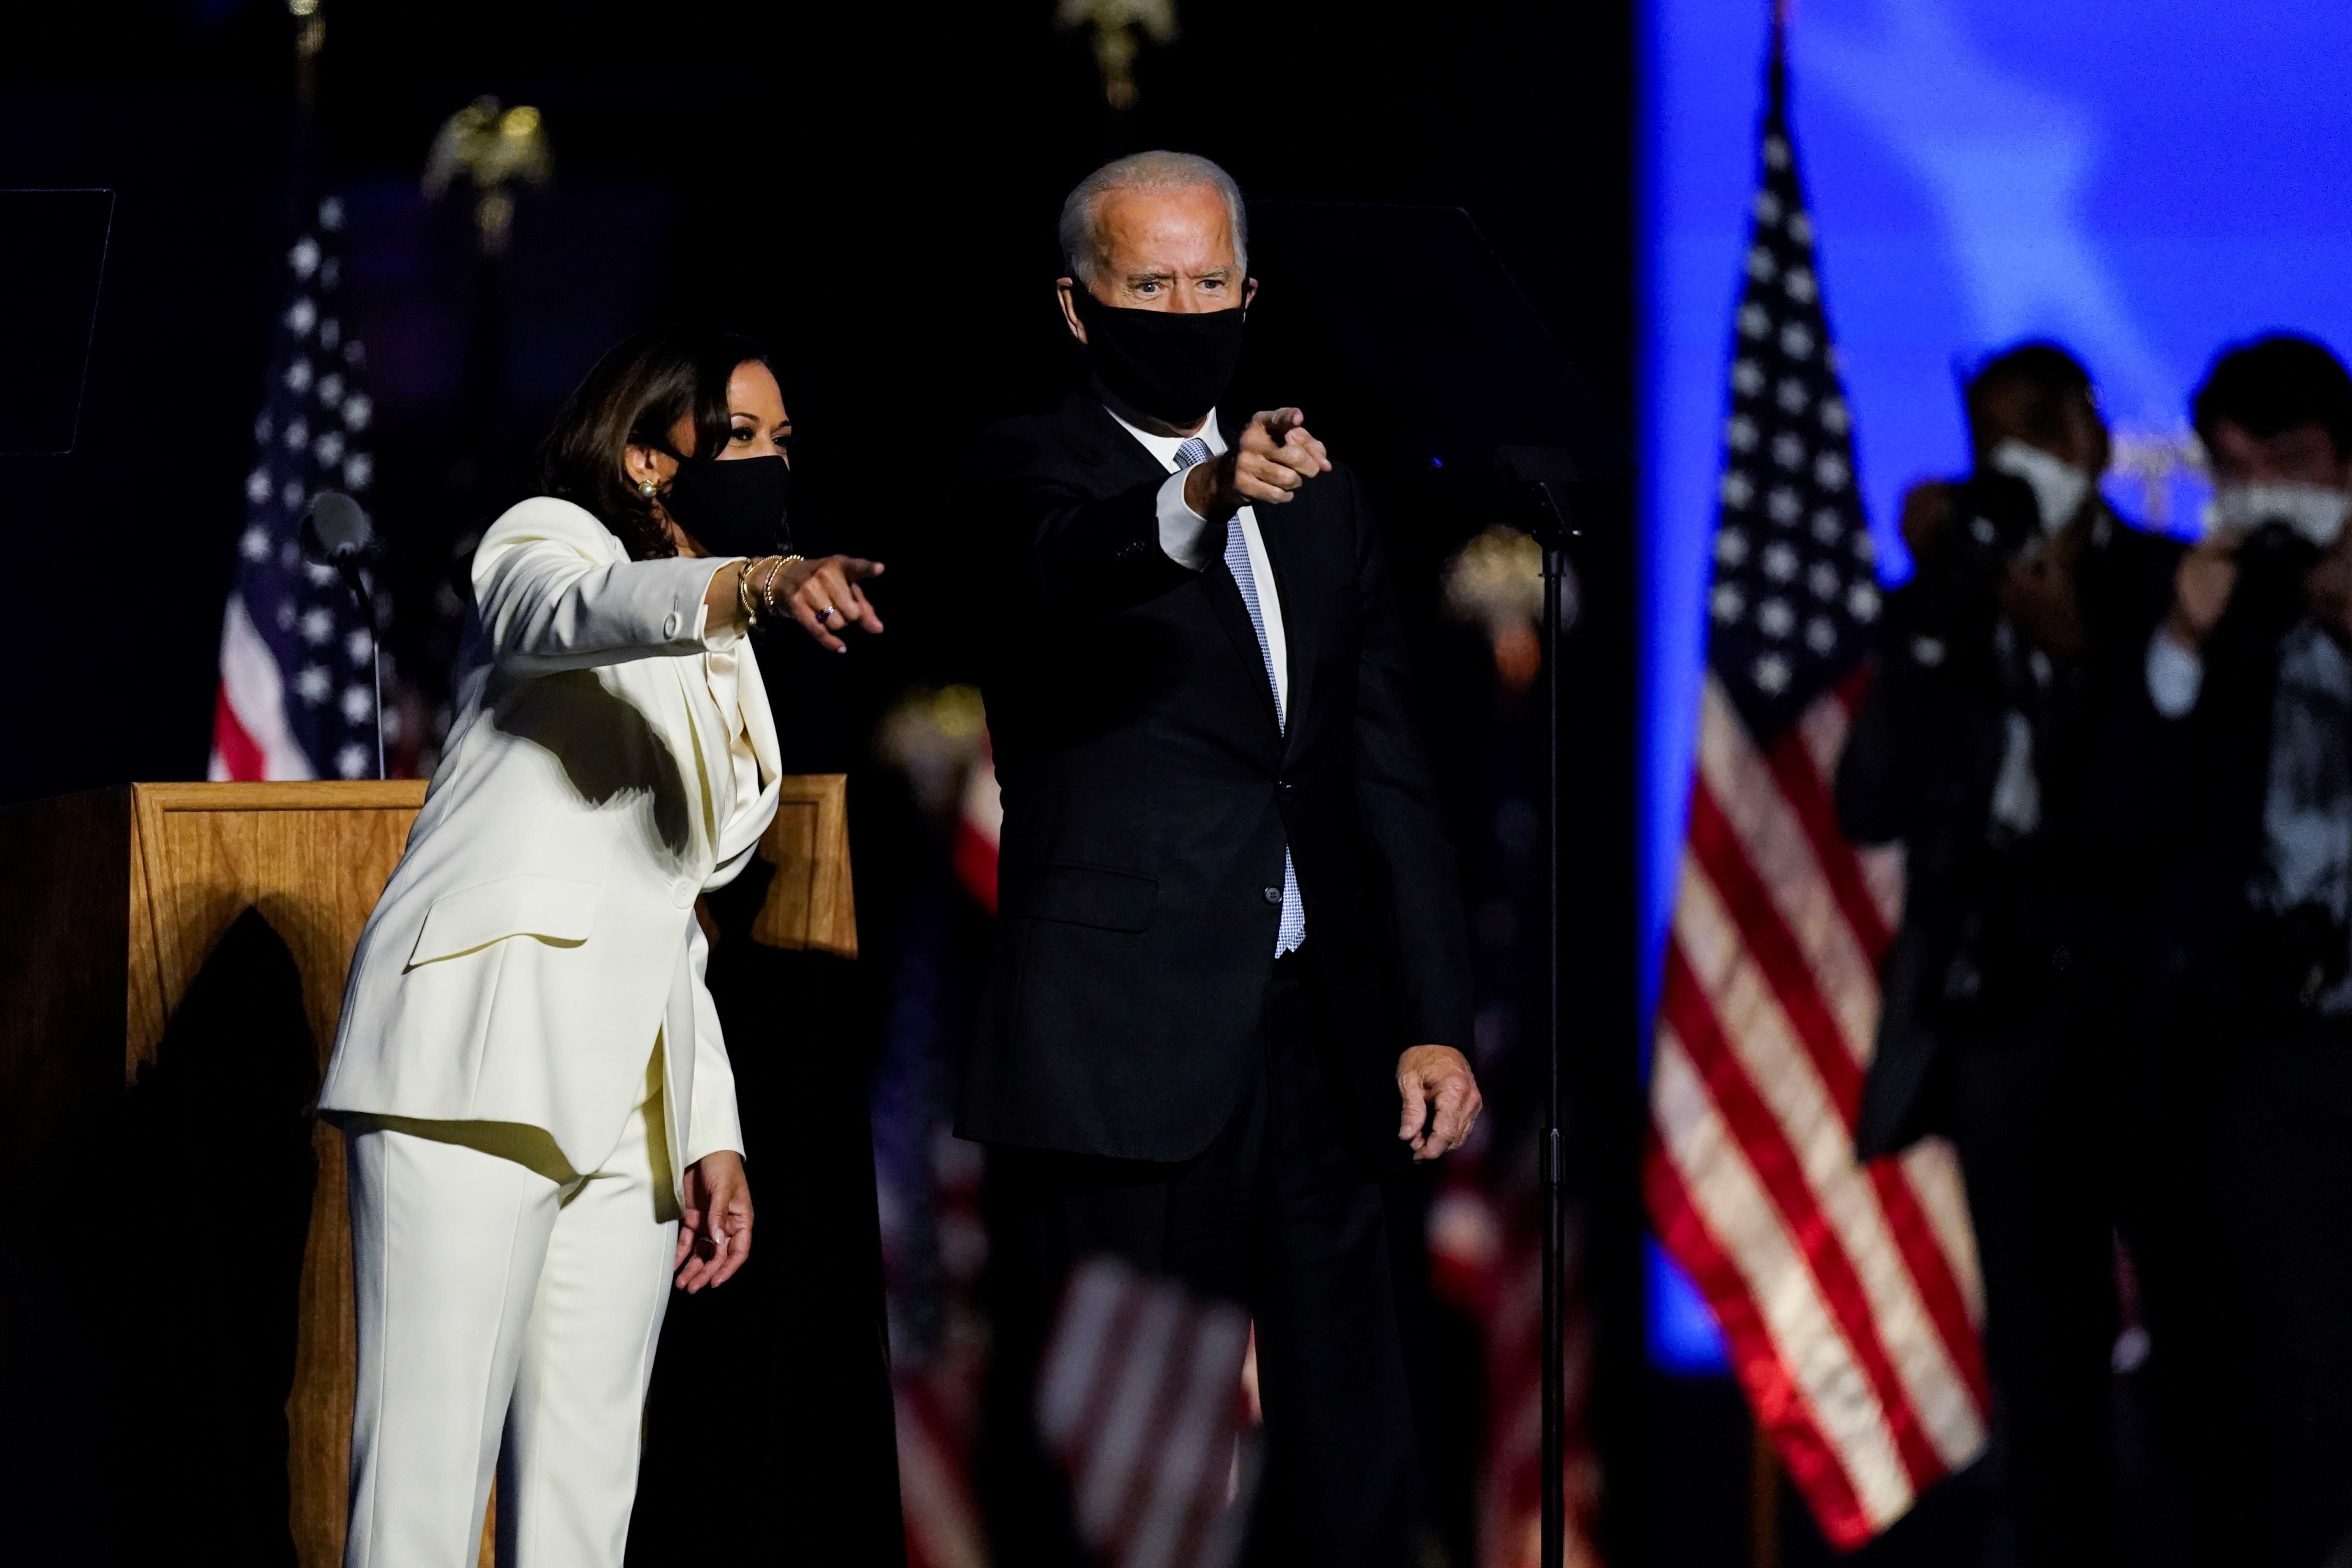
538 934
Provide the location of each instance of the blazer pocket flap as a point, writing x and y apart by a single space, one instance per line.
552 908
1077 895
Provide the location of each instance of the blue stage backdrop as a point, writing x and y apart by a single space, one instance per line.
2143 182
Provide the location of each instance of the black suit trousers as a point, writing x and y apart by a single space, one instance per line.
2026 1119
2283 1175
1282 1213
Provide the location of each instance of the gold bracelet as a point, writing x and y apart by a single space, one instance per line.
767 592
744 593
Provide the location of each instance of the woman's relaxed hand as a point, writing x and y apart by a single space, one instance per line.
825 597
714 1232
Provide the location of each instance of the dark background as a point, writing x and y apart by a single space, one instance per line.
871 189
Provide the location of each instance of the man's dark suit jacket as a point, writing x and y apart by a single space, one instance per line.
2193 833
1148 792
1919 768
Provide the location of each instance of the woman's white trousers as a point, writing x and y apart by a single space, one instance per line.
507 1315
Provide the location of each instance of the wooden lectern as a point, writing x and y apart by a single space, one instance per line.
110 903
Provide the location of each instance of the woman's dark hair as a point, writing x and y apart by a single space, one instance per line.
2272 384
636 395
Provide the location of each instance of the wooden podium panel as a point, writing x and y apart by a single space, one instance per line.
313 859
113 901
810 904
110 903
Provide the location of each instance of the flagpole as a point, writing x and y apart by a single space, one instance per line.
302 154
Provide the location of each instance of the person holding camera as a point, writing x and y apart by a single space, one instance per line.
2246 1166
1977 749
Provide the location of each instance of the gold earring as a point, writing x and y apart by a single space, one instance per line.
647 489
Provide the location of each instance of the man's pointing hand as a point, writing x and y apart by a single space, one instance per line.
1273 457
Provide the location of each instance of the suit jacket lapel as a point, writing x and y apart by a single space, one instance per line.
1285 552
708 743
759 723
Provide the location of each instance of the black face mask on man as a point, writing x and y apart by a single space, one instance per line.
1172 365
737 507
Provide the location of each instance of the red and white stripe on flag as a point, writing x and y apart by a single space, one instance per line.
1142 1398
1847 1292
251 738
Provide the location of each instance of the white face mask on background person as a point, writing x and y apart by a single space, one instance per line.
2317 512
2059 487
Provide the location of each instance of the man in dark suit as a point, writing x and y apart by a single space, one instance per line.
1979 748
2242 1183
1230 984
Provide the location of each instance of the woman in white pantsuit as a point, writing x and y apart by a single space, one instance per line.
538 1107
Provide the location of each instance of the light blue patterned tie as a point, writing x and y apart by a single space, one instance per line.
1293 929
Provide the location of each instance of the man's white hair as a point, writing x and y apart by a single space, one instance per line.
1082 237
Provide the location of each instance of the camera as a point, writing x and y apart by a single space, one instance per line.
2273 561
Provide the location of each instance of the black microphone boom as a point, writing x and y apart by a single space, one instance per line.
336 531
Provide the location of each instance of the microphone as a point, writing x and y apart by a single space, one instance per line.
336 531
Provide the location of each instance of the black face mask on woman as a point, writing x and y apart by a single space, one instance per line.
1172 365
737 507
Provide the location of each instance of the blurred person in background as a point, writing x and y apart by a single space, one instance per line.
1230 984
2242 774
1976 747
538 1105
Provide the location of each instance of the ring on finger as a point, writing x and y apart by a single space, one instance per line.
826 613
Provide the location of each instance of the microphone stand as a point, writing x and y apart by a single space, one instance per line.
1554 1540
347 540
1542 478
348 563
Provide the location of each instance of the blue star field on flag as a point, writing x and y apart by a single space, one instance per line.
1794 593
313 434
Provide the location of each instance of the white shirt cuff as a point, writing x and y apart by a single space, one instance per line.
1183 532
2175 676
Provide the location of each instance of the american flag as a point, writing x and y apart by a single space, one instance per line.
1486 1247
1847 1293
1142 1398
296 699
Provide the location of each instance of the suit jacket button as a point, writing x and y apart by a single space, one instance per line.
682 892
1273 895
671 624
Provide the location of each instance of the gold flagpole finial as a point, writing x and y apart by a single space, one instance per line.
1120 29
493 148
